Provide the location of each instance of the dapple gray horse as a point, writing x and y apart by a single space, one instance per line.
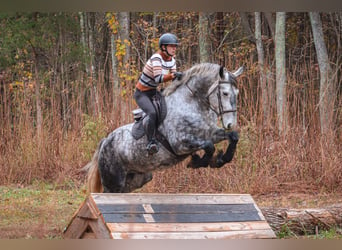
205 94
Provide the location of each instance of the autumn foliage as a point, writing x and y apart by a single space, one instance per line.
67 81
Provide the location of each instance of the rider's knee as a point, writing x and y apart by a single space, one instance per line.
153 115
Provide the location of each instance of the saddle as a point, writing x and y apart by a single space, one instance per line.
159 104
138 129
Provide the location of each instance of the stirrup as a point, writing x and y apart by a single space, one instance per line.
152 147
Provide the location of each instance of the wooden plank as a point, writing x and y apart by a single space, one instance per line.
148 208
124 218
76 228
149 218
135 198
121 208
187 227
189 218
88 216
99 226
183 218
100 229
88 236
258 209
72 222
202 208
88 211
175 208
251 234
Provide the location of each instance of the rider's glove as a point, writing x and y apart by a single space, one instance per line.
177 75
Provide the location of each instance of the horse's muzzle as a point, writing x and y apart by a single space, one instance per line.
231 127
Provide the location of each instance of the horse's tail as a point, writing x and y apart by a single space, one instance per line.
93 174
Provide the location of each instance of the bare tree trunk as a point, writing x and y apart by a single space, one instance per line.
113 37
281 72
114 63
155 14
63 80
87 23
83 40
247 27
37 93
326 90
260 51
38 104
124 21
105 61
270 22
91 42
203 38
90 31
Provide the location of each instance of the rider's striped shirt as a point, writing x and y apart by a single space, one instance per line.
156 71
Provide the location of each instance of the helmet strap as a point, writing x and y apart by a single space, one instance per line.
165 50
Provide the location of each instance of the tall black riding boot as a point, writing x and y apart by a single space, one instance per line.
150 130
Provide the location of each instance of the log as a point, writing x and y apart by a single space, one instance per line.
303 221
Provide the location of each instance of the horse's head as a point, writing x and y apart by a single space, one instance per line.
214 88
222 96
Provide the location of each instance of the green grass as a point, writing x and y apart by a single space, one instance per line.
38 211
43 210
332 233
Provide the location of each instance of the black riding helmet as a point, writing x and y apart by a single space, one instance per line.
167 39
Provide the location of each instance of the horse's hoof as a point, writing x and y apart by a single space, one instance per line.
234 137
192 165
195 161
218 164
217 161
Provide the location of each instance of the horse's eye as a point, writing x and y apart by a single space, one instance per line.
225 93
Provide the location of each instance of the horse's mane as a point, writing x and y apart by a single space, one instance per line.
204 69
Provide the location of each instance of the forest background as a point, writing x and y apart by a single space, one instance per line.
67 81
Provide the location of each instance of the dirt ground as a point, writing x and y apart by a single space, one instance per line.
44 212
297 200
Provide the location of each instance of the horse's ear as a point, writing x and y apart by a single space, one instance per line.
239 71
222 72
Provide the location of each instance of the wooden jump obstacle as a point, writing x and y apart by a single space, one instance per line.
168 216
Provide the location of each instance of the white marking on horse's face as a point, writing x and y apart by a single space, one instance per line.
229 95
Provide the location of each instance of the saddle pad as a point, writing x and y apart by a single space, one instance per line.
160 105
138 130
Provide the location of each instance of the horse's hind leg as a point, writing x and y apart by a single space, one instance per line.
113 176
113 182
136 180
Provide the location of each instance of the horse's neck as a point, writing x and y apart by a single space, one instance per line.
179 99
184 105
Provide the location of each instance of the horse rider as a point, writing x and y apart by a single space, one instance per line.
161 67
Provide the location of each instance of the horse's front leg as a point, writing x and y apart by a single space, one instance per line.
197 161
220 159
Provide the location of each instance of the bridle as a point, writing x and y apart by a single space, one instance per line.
211 90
